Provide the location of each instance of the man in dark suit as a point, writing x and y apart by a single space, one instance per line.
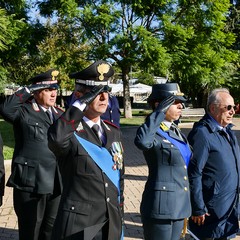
2 172
35 175
92 169
113 112
214 170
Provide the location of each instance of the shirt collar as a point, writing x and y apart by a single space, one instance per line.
46 109
90 123
216 123
167 123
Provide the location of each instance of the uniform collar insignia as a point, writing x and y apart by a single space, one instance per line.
79 127
164 127
35 106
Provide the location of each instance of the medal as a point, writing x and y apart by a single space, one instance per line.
117 153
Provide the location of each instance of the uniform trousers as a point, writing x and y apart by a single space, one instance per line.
164 229
36 214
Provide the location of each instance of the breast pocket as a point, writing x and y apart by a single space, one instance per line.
35 130
170 154
24 171
85 164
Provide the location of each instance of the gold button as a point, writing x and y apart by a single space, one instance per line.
185 166
185 177
185 189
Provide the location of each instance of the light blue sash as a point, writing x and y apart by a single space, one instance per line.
103 159
182 146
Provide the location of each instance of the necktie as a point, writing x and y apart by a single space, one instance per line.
96 130
176 130
50 116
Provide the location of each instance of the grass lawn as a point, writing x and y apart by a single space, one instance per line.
8 139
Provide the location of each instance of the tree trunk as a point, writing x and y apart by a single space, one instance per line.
126 96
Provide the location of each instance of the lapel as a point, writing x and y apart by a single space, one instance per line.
172 134
40 112
175 136
235 147
108 134
44 116
87 133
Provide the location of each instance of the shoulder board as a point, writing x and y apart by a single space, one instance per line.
110 123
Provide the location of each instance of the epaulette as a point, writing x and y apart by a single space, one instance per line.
164 127
110 123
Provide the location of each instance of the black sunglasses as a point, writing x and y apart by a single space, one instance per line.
229 107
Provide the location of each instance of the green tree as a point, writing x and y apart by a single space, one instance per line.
19 59
62 49
115 31
145 78
10 31
200 46
185 40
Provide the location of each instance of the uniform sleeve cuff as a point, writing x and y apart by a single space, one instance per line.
79 105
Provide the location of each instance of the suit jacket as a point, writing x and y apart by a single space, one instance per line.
89 197
2 171
214 179
34 166
113 112
166 194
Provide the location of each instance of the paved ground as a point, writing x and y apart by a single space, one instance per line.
136 174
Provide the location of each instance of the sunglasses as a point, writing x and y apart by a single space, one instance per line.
230 107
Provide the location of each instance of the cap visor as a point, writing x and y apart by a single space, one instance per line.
53 86
180 98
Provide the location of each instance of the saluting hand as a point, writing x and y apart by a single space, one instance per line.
90 96
165 104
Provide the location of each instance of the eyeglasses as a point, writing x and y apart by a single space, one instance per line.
230 107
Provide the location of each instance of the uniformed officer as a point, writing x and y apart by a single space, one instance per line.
35 174
166 199
92 169
113 112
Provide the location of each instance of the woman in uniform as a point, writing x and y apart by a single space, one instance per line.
166 200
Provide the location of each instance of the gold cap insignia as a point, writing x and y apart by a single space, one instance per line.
102 68
54 74
179 93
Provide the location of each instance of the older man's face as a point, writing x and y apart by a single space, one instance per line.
46 97
223 111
